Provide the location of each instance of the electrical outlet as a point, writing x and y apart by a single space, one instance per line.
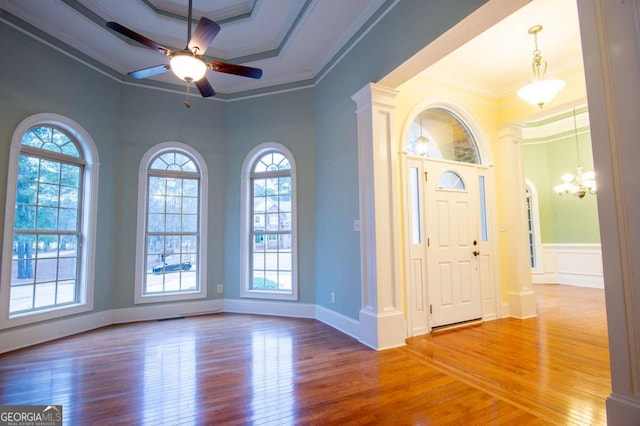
220 288
356 225
333 297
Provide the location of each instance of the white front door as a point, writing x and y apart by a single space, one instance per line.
452 219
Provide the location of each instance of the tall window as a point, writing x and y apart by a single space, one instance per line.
533 226
48 224
170 238
269 258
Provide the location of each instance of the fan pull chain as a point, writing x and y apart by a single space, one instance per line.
186 102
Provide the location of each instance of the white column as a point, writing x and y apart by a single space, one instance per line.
610 34
512 223
382 322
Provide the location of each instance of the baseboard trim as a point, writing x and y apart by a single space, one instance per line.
22 337
340 322
273 308
622 410
166 310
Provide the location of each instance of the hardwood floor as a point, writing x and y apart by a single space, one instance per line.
243 369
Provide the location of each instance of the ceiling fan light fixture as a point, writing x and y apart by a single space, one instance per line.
188 67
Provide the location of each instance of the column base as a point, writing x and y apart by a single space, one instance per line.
622 411
382 330
522 304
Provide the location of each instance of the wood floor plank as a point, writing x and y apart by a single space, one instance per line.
231 369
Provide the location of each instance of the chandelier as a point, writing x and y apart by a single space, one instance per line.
540 90
582 183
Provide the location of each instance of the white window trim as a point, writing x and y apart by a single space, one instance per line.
88 227
246 221
145 163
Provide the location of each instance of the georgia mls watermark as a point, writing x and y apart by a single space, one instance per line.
30 415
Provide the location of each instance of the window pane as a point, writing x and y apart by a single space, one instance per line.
157 186
70 175
483 211
189 223
25 217
45 295
47 199
68 197
174 186
172 244
46 269
173 223
37 137
69 245
451 180
67 268
48 195
66 292
174 204
26 192
47 246
259 204
190 188
47 218
155 223
446 135
285 222
284 186
155 245
28 168
189 205
190 245
49 171
156 204
415 205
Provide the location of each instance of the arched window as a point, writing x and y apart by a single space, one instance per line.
49 244
171 225
269 258
438 133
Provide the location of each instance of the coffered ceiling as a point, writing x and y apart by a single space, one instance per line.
293 41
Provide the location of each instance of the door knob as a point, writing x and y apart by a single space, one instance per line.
476 252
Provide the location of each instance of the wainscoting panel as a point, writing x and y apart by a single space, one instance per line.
572 264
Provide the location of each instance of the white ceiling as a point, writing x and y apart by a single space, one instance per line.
498 61
293 40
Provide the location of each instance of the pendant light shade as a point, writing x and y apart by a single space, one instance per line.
540 90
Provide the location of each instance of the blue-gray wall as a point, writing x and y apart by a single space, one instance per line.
286 118
318 125
37 79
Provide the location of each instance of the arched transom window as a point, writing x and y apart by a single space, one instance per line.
438 133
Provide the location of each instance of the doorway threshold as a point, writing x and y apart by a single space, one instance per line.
453 326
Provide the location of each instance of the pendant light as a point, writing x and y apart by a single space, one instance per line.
540 90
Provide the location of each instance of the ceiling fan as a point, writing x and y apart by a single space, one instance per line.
188 64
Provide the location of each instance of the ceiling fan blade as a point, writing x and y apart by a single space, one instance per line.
205 32
204 87
138 37
235 69
149 72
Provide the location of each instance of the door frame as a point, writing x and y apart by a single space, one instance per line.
490 279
